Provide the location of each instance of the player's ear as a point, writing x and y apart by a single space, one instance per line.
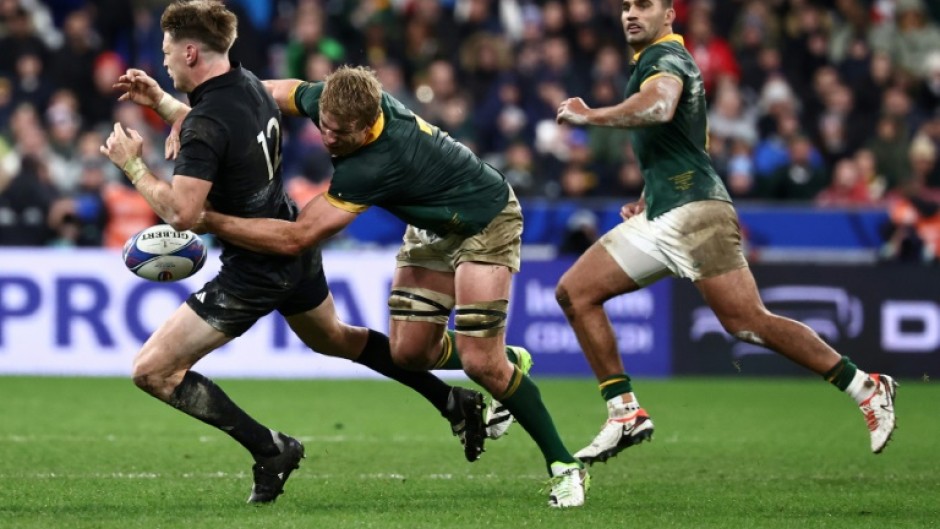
670 15
192 54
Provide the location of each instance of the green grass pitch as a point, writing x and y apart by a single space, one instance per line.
728 453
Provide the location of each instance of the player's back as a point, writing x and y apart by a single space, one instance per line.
232 137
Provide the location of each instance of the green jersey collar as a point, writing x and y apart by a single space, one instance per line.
672 37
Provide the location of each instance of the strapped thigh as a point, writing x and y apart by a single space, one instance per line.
481 320
420 304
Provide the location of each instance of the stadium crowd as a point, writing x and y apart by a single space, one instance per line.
833 102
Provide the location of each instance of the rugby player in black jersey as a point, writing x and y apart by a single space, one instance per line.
229 154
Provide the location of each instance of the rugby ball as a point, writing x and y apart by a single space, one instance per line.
160 253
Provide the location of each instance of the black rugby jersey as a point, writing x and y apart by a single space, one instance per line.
232 137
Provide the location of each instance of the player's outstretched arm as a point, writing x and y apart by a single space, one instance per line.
178 203
142 89
282 90
655 103
318 221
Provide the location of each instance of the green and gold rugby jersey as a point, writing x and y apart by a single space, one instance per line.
414 170
673 156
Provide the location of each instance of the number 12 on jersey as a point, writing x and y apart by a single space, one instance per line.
264 137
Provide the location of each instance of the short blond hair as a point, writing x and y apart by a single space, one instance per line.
352 94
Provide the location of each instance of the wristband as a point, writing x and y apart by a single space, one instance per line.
168 107
135 169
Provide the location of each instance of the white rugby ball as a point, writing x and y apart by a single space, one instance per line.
160 253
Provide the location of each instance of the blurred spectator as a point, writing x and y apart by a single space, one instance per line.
484 59
730 118
848 187
841 129
841 79
806 45
629 180
580 233
98 106
74 62
64 122
81 219
25 205
868 169
800 179
712 53
913 233
910 38
889 146
928 100
308 38
577 181
518 165
32 84
20 38
740 178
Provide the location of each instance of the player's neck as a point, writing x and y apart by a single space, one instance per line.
211 68
665 32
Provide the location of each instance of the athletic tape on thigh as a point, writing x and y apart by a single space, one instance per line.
420 304
481 319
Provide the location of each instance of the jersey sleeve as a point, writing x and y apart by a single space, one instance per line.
203 143
660 64
350 191
306 100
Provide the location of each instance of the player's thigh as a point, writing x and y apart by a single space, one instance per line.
176 345
700 239
733 296
596 276
419 308
320 329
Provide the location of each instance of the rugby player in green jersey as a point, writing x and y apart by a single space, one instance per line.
683 225
459 252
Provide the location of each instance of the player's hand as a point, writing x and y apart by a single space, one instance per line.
122 146
633 208
139 88
172 144
573 111
202 223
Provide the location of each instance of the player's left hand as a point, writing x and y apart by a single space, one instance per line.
122 146
573 111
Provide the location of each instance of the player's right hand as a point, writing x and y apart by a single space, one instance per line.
139 88
172 144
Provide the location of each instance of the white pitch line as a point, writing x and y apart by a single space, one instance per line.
381 476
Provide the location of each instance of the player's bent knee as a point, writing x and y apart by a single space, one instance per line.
563 297
410 358
420 304
749 337
481 320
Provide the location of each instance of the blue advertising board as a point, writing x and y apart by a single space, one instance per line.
641 321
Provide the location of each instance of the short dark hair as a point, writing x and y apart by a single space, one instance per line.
206 21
